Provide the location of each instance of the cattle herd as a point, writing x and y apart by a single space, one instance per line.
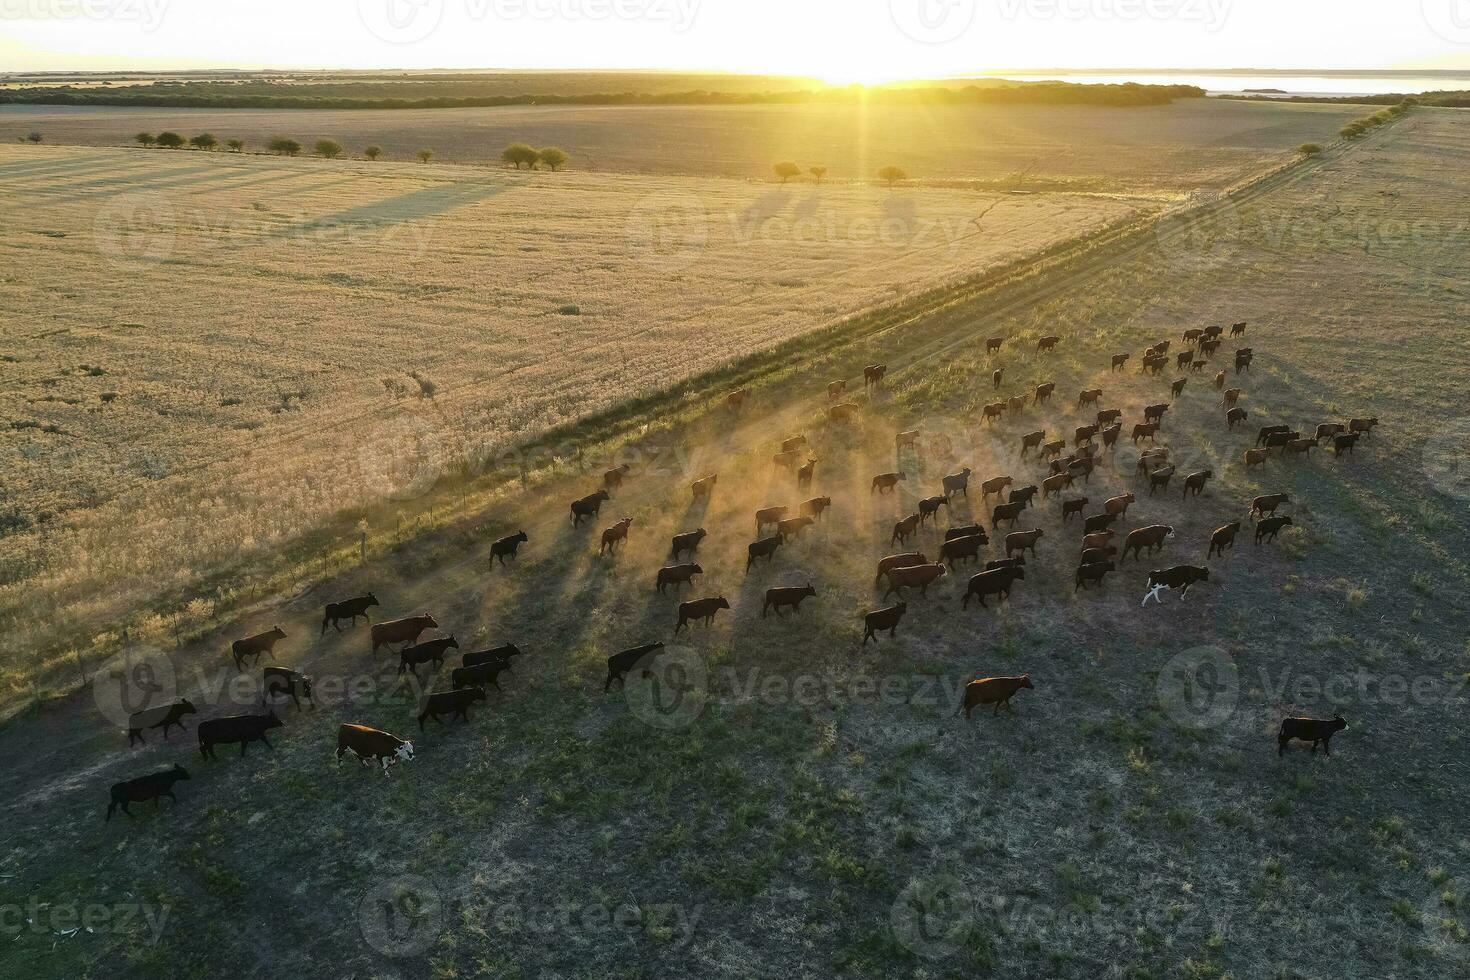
1016 498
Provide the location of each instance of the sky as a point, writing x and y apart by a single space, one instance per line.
838 40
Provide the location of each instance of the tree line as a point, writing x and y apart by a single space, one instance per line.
274 96
517 154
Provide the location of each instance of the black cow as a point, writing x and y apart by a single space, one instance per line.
507 547
348 609
153 787
502 655
996 581
283 680
619 664
430 651
688 541
1179 577
164 716
1314 730
479 675
883 619
236 728
778 598
456 704
1270 527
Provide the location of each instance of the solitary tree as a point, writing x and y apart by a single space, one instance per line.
553 157
786 171
33 137
425 155
373 152
170 140
145 139
330 149
204 141
892 174
284 145
235 145
818 173
518 154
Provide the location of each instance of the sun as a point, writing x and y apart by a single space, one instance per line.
856 74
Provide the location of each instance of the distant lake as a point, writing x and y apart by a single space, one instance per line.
1330 84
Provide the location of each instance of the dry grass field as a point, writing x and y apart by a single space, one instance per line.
779 799
207 356
1189 144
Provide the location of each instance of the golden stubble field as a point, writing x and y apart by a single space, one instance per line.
1190 143
205 355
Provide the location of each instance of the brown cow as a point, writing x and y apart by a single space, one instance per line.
769 515
786 459
1055 484
1016 404
1224 537
1255 457
906 440
1023 541
254 646
677 575
1097 539
368 744
401 630
1091 556
909 560
1031 440
1363 426
915 576
816 507
613 536
844 412
1089 397
1151 537
993 690
1118 506
1299 447
1232 395
885 482
701 488
873 374
793 442
835 389
1234 417
905 529
929 507
792 527
735 400
804 474
1042 394
992 344
994 486
614 477
1219 380
1118 361
1047 344
1266 504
